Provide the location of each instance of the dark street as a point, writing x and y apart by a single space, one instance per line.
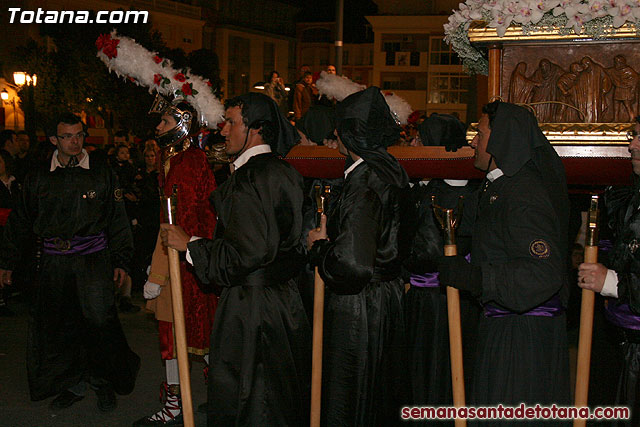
17 410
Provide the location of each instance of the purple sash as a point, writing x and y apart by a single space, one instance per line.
550 308
427 280
621 315
78 245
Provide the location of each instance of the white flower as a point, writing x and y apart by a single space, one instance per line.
577 21
621 13
597 8
501 22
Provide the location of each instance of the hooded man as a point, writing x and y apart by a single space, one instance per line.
426 301
619 280
260 344
518 265
357 256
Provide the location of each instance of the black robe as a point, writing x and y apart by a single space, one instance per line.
623 206
364 381
74 331
426 307
260 353
519 242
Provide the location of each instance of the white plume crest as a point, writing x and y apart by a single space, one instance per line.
399 107
340 87
337 87
134 62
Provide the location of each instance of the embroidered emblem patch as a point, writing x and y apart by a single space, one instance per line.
118 194
91 194
493 199
539 249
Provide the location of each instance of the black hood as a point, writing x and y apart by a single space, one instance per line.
366 127
258 108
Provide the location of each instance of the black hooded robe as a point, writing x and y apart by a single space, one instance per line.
363 382
260 350
520 243
74 332
520 358
425 309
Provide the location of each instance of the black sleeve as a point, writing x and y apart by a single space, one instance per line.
347 263
244 245
535 270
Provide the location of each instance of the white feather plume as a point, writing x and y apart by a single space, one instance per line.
399 107
339 87
140 65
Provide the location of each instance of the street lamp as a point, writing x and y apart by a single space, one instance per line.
20 78
5 99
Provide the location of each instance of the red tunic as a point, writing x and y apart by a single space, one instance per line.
190 171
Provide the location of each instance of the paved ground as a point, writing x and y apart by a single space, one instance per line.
17 410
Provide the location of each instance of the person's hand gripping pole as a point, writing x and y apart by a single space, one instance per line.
322 197
449 223
586 315
169 205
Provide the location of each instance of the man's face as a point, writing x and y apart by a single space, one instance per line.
308 79
69 139
331 69
167 123
12 145
634 149
123 154
479 143
234 131
23 142
120 140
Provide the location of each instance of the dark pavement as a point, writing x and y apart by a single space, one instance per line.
17 410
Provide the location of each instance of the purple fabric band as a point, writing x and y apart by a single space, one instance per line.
621 315
78 245
605 245
428 280
551 308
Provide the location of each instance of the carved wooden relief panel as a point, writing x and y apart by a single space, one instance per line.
595 83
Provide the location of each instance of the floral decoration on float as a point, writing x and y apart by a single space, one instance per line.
596 19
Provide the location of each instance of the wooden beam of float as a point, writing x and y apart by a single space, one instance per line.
593 154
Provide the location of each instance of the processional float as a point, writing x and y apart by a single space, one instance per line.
584 88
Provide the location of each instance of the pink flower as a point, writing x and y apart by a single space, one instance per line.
157 78
157 59
186 89
180 77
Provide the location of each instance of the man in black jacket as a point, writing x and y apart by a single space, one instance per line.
518 266
75 206
260 344
621 281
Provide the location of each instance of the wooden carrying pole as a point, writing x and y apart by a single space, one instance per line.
586 316
449 223
169 206
318 319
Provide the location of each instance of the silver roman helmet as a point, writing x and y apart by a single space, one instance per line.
183 113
